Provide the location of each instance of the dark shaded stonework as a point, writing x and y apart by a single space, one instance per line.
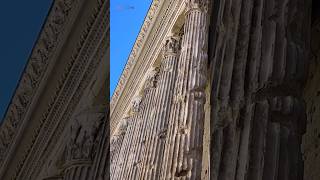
311 139
56 126
259 58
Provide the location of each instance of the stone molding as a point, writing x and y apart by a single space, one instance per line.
35 69
81 61
97 30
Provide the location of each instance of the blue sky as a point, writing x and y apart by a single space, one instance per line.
21 22
126 19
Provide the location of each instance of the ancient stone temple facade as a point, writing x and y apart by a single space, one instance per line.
170 97
220 90
56 126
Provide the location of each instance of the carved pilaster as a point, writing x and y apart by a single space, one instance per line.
83 141
183 151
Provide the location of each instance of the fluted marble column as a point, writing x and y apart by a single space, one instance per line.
121 162
183 151
137 151
258 66
156 137
116 143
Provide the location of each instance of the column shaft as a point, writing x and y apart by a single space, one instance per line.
116 144
159 124
257 121
183 152
137 151
120 163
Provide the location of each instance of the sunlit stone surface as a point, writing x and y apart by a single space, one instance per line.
241 102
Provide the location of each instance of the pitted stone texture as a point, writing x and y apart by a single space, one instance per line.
311 139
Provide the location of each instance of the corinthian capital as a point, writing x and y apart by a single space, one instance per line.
172 45
136 103
201 5
151 80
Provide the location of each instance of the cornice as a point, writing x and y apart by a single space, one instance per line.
144 53
34 72
83 62
86 60
135 52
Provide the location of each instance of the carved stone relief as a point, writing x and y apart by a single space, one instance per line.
83 134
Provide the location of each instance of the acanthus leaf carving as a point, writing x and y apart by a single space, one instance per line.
201 5
172 45
122 126
152 78
136 102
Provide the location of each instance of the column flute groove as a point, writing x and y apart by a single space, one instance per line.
134 165
156 137
183 151
116 144
120 164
